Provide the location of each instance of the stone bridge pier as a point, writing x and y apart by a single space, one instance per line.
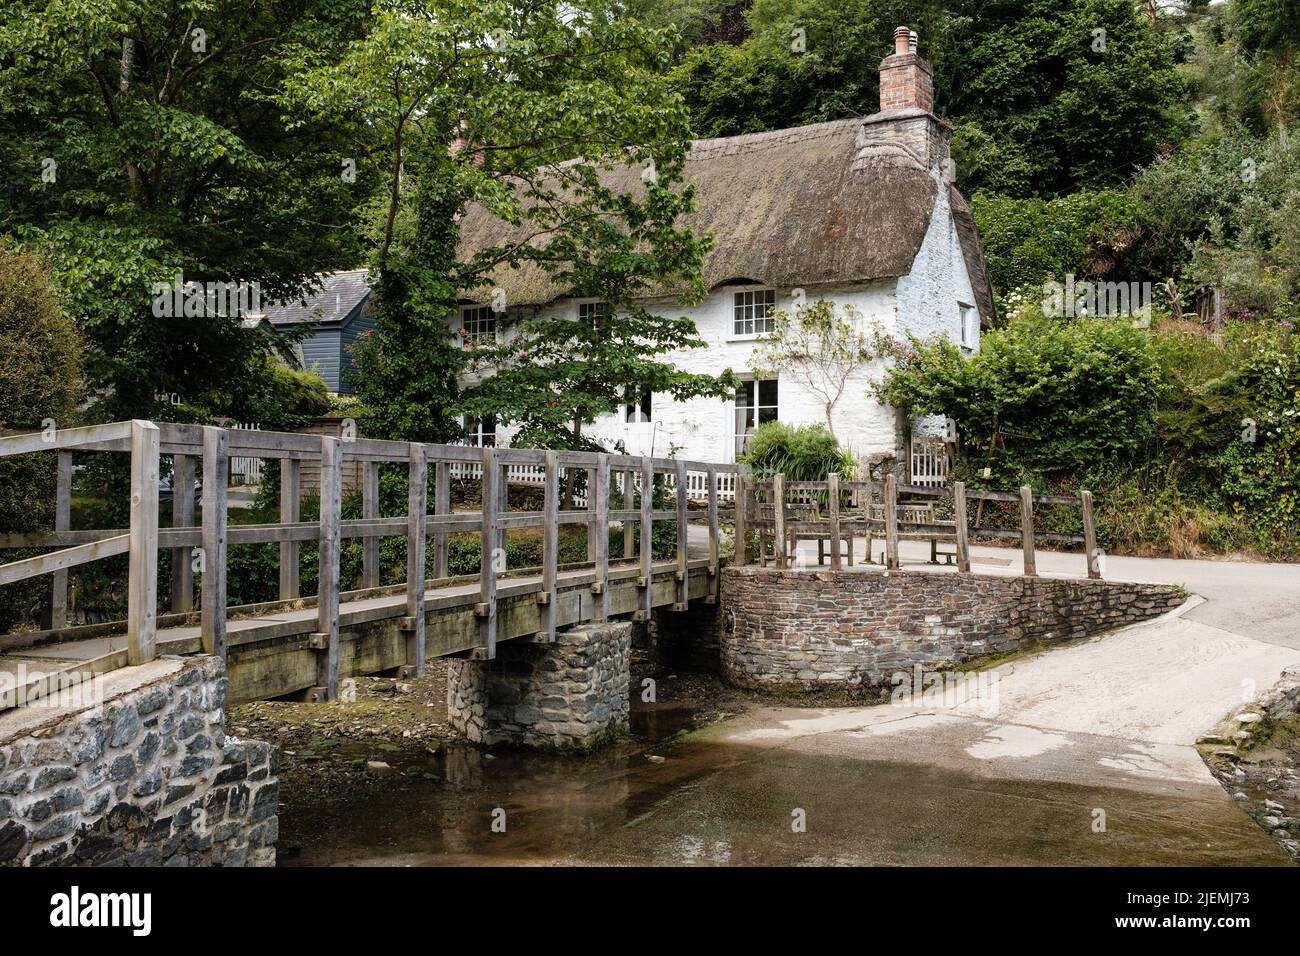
570 695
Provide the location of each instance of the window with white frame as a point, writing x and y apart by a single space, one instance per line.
752 311
481 432
970 326
595 314
756 402
478 325
639 411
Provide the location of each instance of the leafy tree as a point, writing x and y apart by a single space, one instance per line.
517 107
139 143
819 348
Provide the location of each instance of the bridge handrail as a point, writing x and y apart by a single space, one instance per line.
836 526
634 478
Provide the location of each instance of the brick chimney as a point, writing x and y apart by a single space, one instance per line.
906 80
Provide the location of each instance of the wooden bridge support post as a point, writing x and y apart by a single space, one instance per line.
742 508
58 603
681 593
1089 535
549 596
1027 528
290 502
891 522
833 506
142 598
963 532
212 599
441 506
417 507
487 595
778 520
370 509
182 517
600 587
326 638
646 579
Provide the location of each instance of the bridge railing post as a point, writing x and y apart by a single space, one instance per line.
290 504
600 587
142 599
417 506
629 544
963 531
326 638
1089 535
550 593
833 515
891 522
370 509
58 617
778 519
441 506
742 508
681 594
712 479
1027 529
646 578
182 585
216 475
487 606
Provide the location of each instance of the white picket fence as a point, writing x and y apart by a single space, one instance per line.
246 471
697 486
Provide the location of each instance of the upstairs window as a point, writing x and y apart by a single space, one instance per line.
595 314
479 323
752 311
970 326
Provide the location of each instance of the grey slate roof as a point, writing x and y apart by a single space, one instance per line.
339 295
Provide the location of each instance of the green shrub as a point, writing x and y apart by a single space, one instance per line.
801 453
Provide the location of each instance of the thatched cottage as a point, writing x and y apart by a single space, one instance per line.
860 212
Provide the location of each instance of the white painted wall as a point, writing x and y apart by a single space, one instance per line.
926 302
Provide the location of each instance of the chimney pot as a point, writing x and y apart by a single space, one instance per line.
912 41
902 40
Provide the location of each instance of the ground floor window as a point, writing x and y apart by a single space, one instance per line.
638 411
481 432
756 402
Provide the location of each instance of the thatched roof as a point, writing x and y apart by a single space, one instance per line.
786 208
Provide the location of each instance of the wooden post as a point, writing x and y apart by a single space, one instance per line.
417 507
1027 528
326 638
370 509
290 503
487 589
142 597
600 587
1089 536
503 506
550 593
629 545
778 519
714 535
182 517
212 599
891 522
742 533
833 504
647 538
58 618
681 593
591 513
959 519
441 506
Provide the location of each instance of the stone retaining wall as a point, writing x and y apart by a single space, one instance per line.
819 628
572 694
146 777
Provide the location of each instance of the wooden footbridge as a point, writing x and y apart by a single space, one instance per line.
307 644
